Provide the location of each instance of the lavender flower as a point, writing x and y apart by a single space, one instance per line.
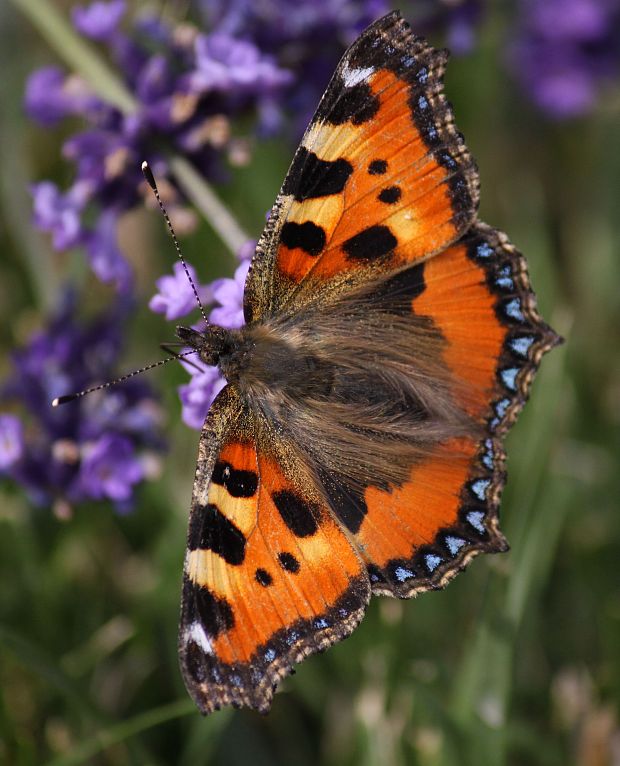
176 298
51 96
11 441
229 294
100 19
188 86
108 469
93 449
307 40
226 65
460 22
105 257
197 396
565 51
59 213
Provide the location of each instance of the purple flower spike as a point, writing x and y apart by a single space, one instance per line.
229 294
176 298
565 51
94 448
11 441
106 259
198 395
189 90
59 213
109 469
100 19
247 250
462 26
225 64
51 96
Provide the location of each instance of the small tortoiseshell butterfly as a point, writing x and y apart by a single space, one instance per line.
391 340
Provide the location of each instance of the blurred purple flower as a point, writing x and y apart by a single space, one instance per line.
109 469
11 441
188 87
247 249
206 382
229 294
198 395
225 64
59 213
51 96
105 257
307 40
94 447
100 19
564 51
273 24
461 21
176 298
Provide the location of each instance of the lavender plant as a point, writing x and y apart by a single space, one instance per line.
564 53
99 448
188 87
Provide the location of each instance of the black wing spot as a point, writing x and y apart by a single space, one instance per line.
390 195
288 562
263 577
299 515
238 483
370 244
210 530
310 177
307 236
377 167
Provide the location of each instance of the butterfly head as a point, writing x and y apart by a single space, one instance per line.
212 343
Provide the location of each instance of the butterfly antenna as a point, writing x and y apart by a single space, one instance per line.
150 179
72 397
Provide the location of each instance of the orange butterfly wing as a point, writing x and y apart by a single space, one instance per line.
477 294
269 575
382 178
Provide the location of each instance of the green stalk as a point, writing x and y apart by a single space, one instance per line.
83 59
85 751
76 53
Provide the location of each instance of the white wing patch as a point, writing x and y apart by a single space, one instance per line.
196 633
352 77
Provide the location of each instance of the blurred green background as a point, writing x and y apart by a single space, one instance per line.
516 662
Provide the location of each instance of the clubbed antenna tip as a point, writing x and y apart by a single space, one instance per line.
64 399
148 174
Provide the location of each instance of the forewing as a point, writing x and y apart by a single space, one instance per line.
382 178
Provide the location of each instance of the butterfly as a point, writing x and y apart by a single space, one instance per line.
390 341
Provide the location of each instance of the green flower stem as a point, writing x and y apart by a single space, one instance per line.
84 60
77 53
207 201
85 751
